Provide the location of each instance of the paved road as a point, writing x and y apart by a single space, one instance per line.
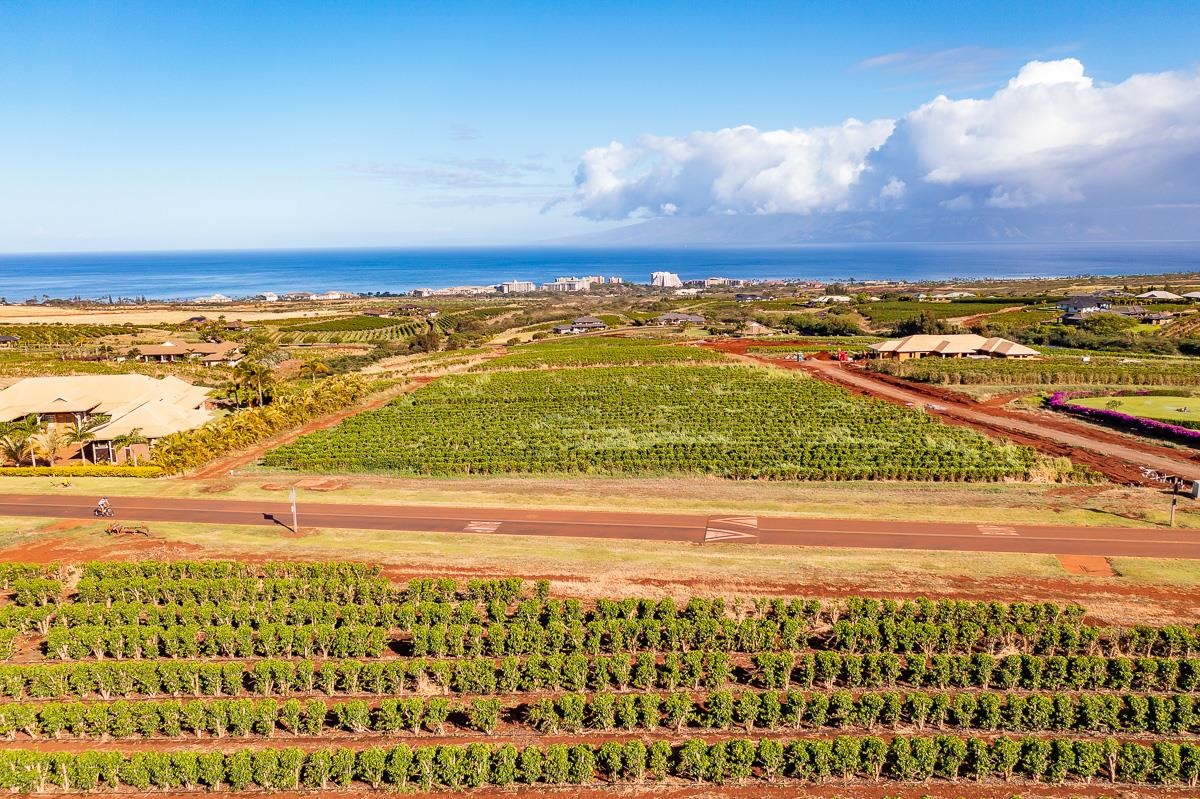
1105 541
1163 461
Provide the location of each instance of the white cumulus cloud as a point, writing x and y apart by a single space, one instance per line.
1050 136
735 170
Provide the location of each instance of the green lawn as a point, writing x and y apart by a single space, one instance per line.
1174 409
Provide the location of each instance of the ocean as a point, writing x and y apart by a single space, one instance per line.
184 275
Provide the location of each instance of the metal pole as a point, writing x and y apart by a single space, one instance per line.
296 524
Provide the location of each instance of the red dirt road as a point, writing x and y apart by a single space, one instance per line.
689 528
1158 458
1117 457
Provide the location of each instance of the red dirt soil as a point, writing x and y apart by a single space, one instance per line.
1117 457
223 466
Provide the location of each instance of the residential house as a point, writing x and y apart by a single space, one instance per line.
1160 296
334 295
1083 304
6 342
150 407
678 319
1136 312
228 353
297 296
964 345
584 324
213 299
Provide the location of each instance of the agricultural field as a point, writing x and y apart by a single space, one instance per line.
1099 370
600 351
811 344
63 333
729 421
891 312
1176 409
1009 321
345 324
184 676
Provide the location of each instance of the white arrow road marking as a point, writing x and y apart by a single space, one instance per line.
738 521
717 534
482 527
991 529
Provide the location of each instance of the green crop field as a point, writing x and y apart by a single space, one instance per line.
599 351
1175 409
346 324
731 421
1055 371
189 678
1019 320
890 312
62 334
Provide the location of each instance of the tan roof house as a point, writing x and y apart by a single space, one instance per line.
209 353
154 407
964 345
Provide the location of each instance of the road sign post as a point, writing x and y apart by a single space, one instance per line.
295 523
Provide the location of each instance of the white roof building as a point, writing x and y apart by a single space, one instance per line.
665 280
213 298
1159 295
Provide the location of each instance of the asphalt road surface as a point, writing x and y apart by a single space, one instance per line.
694 528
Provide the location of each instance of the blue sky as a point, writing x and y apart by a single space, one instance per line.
226 124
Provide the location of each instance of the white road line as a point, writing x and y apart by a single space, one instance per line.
482 527
991 529
738 521
717 534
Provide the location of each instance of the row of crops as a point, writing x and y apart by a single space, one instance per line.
1061 371
65 334
730 421
600 351
890 312
634 691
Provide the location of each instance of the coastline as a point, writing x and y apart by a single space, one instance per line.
182 275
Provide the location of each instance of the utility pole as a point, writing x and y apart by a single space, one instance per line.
296 524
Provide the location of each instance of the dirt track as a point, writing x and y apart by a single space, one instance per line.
688 528
1118 458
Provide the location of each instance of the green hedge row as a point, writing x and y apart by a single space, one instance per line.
487 765
88 470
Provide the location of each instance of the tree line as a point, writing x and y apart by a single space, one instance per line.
645 671
606 711
454 767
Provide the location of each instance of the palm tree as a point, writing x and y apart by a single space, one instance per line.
50 442
134 436
313 368
16 439
255 378
82 433
17 448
